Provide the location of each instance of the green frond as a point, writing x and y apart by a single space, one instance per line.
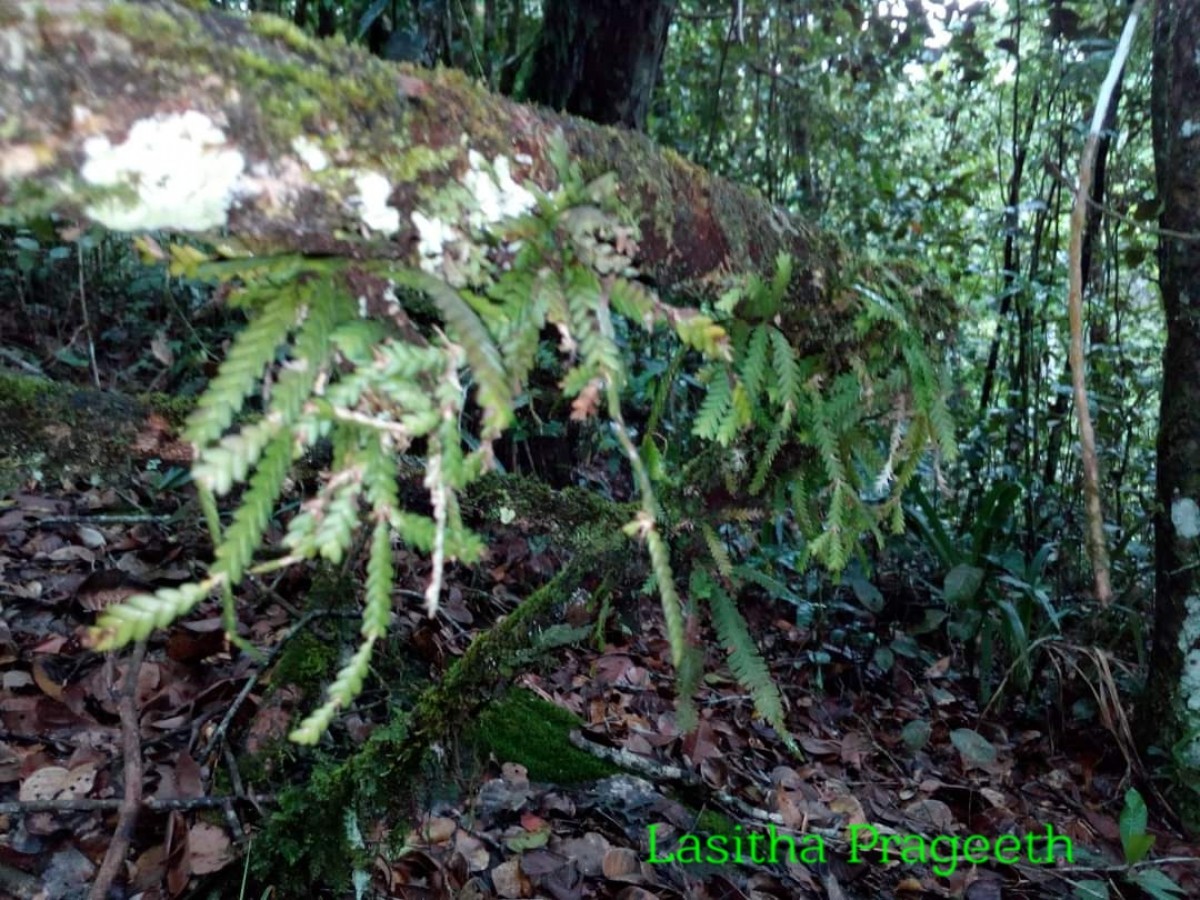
716 549
325 310
716 406
662 392
492 387
786 370
687 681
740 413
779 433
801 509
782 278
744 660
245 533
753 366
379 475
701 333
252 351
357 340
335 528
632 301
660 562
519 336
220 466
824 439
842 403
346 686
835 550
942 426
592 328
135 618
380 574
878 308
775 588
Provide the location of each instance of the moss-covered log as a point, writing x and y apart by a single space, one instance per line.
165 116
54 432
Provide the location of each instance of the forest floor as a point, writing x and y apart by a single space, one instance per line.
908 750
574 782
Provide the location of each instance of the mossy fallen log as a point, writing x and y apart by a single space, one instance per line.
55 433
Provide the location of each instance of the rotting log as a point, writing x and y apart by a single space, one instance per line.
164 116
55 433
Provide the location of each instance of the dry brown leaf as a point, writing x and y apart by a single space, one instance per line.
434 830
473 850
510 881
211 849
44 784
622 864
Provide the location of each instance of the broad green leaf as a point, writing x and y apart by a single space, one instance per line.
884 659
867 594
974 747
1157 884
1134 840
1091 890
962 584
916 734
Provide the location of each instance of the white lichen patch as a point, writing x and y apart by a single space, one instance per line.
372 203
22 160
1189 686
12 50
491 195
1189 129
1189 633
1185 516
179 166
1191 681
310 153
432 237
496 195
1189 678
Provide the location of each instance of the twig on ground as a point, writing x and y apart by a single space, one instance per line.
127 812
90 804
218 734
107 519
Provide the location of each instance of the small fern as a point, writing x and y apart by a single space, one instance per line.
252 351
744 660
817 435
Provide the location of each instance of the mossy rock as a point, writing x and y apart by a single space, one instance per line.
522 728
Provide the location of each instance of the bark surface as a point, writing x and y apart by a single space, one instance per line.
1172 713
600 58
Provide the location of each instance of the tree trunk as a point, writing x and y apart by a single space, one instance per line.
600 58
1173 709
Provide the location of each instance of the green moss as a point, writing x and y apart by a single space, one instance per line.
411 162
142 25
19 390
307 663
712 822
55 430
173 408
303 846
275 28
522 728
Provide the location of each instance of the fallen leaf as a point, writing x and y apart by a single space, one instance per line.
211 849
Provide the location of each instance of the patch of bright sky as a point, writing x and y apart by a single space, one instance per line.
935 15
